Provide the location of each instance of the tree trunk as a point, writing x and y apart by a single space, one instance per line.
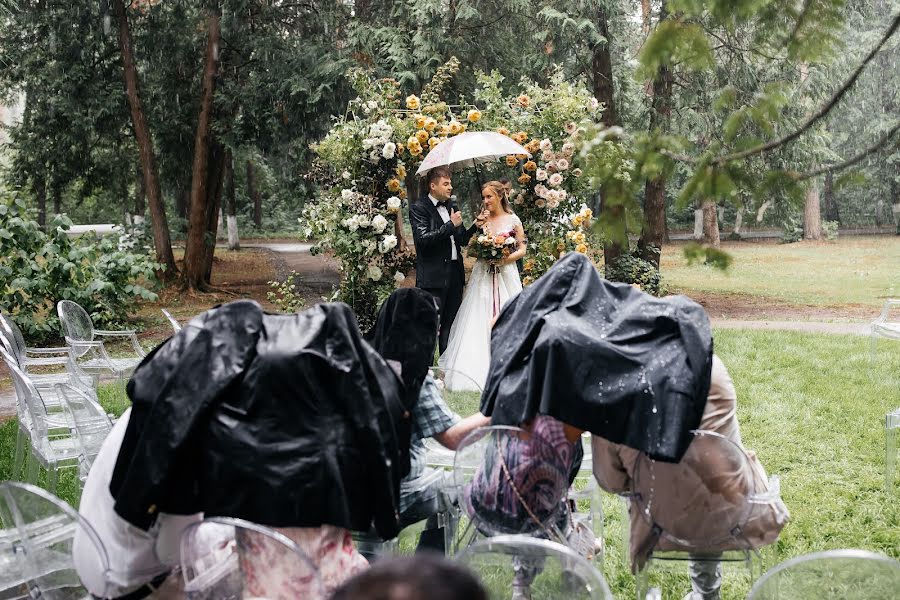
234 242
738 220
196 251
254 195
216 176
698 224
612 215
645 16
654 227
161 240
762 210
710 223
812 216
40 194
830 207
140 195
57 199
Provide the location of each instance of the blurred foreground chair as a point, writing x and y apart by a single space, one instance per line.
831 575
91 353
885 326
45 358
172 321
533 569
231 559
700 509
37 532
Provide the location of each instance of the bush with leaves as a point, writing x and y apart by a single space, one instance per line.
105 275
629 268
285 296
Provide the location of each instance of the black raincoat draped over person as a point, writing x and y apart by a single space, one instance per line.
603 357
288 420
406 332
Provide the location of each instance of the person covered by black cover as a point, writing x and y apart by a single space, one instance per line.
406 334
602 357
288 420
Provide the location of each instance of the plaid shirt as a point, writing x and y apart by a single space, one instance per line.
431 416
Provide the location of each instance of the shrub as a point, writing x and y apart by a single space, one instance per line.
285 296
37 268
830 230
632 269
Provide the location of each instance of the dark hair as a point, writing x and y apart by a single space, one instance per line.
502 192
419 577
436 173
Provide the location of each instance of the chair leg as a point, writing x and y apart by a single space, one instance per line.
19 460
52 477
890 447
642 582
32 468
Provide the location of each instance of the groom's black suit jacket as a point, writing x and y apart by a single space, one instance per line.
431 235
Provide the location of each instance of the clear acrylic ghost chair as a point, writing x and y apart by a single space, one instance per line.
831 575
714 476
463 396
231 559
172 321
891 448
29 358
533 569
885 326
90 421
37 545
489 469
90 352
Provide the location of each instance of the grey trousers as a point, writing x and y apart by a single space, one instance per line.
706 579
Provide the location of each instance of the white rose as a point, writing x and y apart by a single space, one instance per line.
594 103
546 145
482 239
352 223
374 272
547 156
375 155
371 105
510 241
388 150
347 194
571 127
562 164
363 220
554 203
379 223
346 174
519 199
399 277
540 174
388 243
393 203
568 148
556 179
576 172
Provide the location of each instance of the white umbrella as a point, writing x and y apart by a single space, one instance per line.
469 149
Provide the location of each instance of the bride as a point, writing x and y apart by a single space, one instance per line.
489 288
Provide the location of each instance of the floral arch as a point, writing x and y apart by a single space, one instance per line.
373 151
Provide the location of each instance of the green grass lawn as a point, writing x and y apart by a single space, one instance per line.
811 406
852 270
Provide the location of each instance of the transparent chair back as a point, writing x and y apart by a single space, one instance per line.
90 421
510 481
172 321
232 559
76 322
533 568
37 545
716 474
831 575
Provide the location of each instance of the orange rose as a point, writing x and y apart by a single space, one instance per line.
530 166
524 178
511 161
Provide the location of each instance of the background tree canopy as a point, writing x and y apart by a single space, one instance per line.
734 110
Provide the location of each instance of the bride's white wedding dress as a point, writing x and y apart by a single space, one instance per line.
469 348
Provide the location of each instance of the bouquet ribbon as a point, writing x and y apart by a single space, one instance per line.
495 288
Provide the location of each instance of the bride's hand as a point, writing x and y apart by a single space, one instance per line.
482 218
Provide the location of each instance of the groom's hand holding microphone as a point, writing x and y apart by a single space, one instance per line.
456 218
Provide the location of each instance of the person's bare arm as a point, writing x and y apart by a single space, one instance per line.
451 438
521 247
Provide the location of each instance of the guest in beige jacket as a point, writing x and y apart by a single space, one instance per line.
716 489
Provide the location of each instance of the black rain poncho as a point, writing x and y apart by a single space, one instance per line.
601 356
285 420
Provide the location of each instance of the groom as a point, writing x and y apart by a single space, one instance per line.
439 236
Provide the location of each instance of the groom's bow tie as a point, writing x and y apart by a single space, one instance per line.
445 204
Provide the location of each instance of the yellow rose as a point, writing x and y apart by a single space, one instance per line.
402 194
412 141
503 131
530 166
523 101
581 248
588 213
529 265
393 185
511 161
524 178
412 102
533 146
527 281
579 238
455 127
520 137
420 121
445 130
560 246
401 171
570 235
400 148
415 150
430 123
464 127
433 142
577 220
422 136
474 115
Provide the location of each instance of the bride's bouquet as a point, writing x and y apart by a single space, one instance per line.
492 247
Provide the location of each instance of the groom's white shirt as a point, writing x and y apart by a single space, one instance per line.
446 217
